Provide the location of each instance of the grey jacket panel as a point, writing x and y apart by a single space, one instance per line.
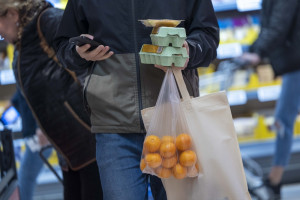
112 95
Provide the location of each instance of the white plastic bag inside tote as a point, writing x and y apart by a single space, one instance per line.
211 126
169 149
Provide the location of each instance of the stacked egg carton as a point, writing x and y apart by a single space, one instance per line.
166 48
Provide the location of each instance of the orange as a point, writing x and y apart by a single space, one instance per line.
142 164
169 162
183 142
167 149
163 172
168 138
188 158
152 143
179 171
153 160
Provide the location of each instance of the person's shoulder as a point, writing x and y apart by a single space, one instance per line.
51 17
49 22
52 12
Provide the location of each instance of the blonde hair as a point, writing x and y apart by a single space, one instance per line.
27 10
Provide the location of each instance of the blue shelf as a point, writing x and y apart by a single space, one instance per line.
262 94
264 148
225 7
240 5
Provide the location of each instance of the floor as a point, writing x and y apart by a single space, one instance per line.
54 191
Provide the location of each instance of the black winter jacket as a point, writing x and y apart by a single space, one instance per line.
29 125
52 94
279 39
120 87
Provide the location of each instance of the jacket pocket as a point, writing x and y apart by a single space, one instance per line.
112 93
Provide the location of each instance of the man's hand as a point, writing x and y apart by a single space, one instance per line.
252 58
100 53
186 45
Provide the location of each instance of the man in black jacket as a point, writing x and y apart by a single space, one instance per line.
279 41
119 86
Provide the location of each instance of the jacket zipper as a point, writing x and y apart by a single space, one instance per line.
85 103
137 66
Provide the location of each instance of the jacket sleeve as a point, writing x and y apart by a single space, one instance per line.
275 32
202 34
48 23
73 23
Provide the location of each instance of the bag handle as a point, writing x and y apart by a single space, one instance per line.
49 50
44 44
181 84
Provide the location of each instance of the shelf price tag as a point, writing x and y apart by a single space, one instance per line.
269 93
7 77
229 50
238 97
248 5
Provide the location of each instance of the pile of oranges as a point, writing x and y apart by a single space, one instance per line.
170 156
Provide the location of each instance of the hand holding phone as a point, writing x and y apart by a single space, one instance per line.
82 40
95 52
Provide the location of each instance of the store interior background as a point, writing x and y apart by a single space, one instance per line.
252 95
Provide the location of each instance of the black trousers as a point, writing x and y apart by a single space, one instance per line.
83 184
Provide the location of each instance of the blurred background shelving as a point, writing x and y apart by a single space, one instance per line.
252 94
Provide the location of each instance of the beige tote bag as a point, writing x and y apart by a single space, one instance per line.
211 126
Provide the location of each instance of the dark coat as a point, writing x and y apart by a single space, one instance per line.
53 95
28 122
279 39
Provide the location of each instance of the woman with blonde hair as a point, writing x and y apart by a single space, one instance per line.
52 93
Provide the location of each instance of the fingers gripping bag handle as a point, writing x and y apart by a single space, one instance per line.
169 149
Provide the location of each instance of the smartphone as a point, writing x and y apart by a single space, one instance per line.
82 40
9 116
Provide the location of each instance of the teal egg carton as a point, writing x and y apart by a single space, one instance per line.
169 35
165 56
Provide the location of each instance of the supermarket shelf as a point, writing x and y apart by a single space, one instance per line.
251 106
7 77
261 94
7 91
240 5
262 153
225 7
246 101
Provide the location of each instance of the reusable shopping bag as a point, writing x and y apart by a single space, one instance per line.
210 123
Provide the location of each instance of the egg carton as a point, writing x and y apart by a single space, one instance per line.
168 36
165 56
161 22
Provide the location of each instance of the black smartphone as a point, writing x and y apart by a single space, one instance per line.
82 40
9 116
